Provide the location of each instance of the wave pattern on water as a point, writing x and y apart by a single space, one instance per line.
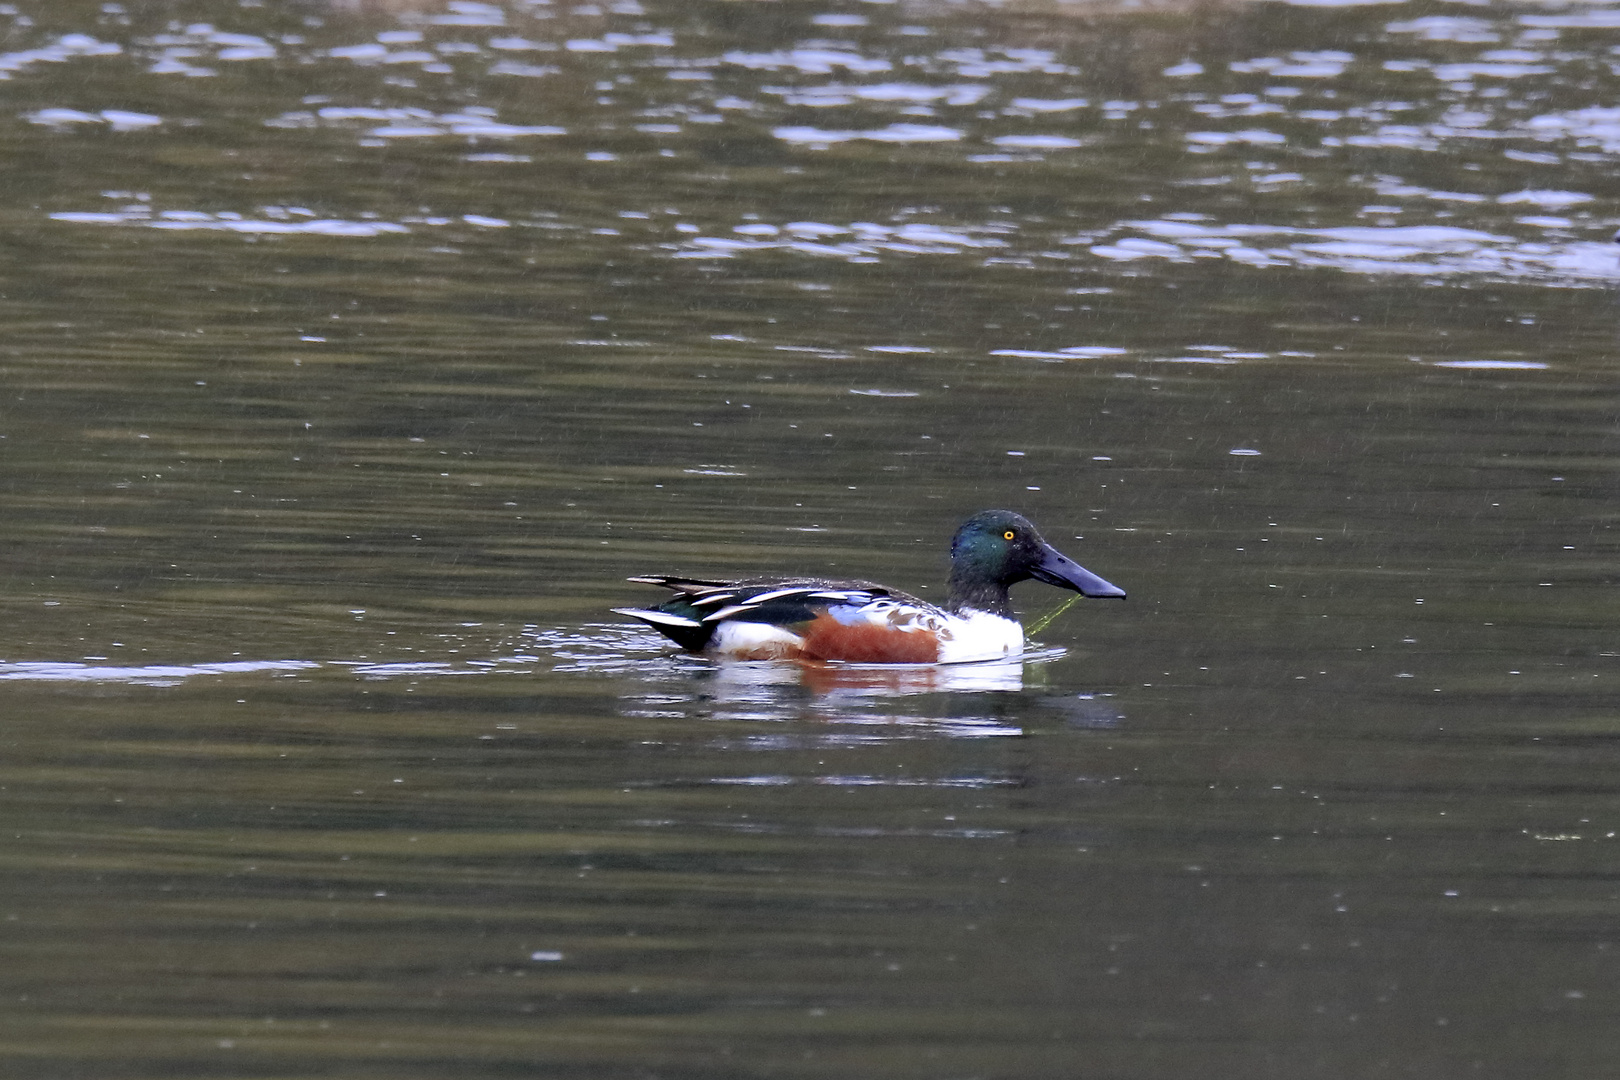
1289 128
140 675
1422 250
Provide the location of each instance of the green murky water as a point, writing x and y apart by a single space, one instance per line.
353 358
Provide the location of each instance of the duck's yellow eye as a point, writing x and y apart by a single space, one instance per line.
1008 535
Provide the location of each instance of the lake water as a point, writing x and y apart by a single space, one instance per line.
355 354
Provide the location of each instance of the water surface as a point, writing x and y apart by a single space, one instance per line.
354 358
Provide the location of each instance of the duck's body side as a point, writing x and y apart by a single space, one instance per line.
850 621
859 622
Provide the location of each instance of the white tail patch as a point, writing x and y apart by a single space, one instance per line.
754 641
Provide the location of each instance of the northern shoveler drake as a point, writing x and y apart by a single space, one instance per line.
859 622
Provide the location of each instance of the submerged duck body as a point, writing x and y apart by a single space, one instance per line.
859 622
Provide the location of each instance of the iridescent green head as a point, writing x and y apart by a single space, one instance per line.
996 549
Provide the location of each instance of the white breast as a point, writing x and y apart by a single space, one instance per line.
979 635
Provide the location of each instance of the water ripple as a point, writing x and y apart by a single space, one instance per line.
1426 250
146 675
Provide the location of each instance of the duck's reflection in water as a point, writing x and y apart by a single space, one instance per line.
982 739
845 703
878 680
868 703
861 701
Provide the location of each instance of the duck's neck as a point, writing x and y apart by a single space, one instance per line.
976 594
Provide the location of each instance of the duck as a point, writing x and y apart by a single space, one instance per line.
858 622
